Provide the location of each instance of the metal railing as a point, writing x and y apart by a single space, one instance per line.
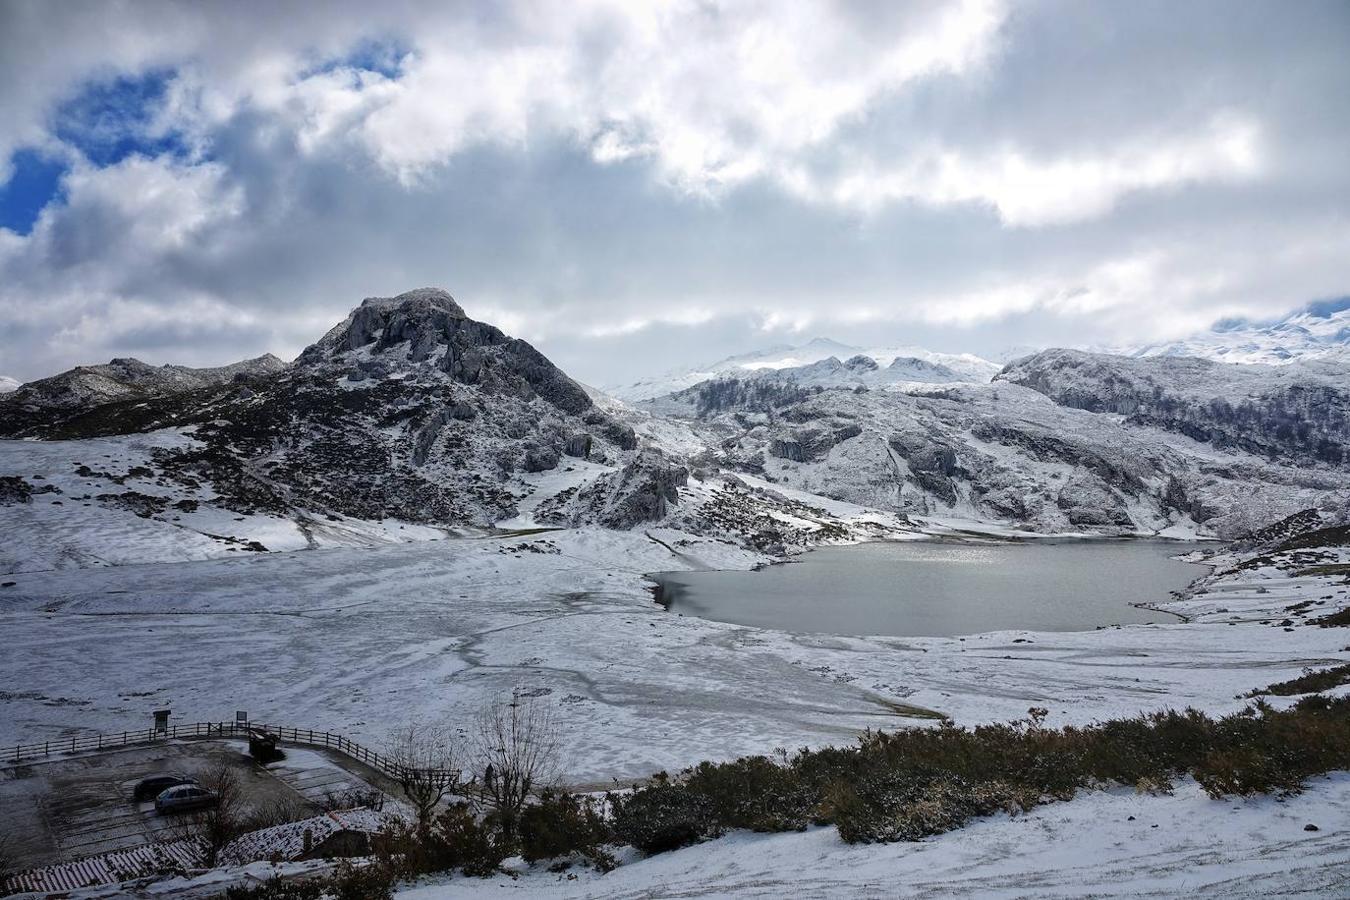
309 736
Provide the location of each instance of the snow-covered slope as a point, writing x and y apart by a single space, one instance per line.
405 421
1063 441
1319 331
8 384
1296 412
890 365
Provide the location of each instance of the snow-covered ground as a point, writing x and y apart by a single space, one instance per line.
80 514
359 640
1115 843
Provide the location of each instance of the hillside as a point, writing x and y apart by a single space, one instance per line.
1061 441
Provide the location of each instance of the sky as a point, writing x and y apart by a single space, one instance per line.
640 187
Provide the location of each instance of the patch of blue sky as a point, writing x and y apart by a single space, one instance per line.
35 181
111 119
384 57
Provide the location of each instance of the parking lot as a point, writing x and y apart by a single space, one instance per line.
65 809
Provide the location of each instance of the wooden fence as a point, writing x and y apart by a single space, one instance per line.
309 736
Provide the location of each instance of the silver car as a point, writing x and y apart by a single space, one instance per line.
184 798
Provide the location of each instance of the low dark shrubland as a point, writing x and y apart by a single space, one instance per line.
562 826
1333 620
896 786
1310 682
909 784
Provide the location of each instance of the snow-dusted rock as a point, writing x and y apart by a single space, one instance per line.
1008 451
1300 411
642 491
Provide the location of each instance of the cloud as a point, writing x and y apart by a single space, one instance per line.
629 184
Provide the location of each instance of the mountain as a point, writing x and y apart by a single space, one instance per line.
1061 441
406 420
1319 331
893 365
124 379
8 384
407 409
409 417
1298 412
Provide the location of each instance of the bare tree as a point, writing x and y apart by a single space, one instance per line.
424 756
214 827
516 751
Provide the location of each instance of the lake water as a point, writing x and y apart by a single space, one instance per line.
942 588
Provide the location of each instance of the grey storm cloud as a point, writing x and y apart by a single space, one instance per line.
633 188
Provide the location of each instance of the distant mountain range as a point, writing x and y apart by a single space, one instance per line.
1319 331
824 362
409 411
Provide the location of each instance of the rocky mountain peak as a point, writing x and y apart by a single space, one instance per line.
426 332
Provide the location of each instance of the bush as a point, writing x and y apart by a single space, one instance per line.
755 793
276 889
562 825
917 782
662 816
349 882
453 840
1310 681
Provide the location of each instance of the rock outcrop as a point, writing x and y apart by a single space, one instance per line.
643 491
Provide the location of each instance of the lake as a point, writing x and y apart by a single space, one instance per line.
942 588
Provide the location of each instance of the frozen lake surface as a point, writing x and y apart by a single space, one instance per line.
924 588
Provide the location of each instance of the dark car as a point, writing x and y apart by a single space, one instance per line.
152 787
185 797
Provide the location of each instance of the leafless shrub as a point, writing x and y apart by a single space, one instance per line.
424 755
516 752
212 828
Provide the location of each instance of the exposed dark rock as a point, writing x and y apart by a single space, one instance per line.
643 491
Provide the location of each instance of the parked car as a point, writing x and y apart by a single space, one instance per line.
185 797
152 787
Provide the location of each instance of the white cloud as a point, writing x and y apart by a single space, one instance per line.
604 173
1028 191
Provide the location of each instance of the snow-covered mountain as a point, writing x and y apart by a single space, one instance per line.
1060 441
409 417
405 419
125 378
891 365
8 384
1319 331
